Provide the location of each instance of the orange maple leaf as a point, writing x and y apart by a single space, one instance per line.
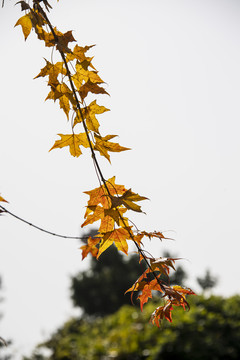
100 195
90 247
147 291
161 312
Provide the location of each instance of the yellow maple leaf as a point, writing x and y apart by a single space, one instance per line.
79 54
89 113
52 70
26 24
2 199
93 109
117 215
112 216
127 199
64 104
119 237
63 94
103 145
107 224
39 31
50 39
84 75
73 141
93 213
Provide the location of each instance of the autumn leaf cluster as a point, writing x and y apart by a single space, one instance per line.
71 82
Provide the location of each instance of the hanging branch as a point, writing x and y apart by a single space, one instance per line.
110 202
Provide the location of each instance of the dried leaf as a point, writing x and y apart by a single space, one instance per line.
63 40
90 87
24 5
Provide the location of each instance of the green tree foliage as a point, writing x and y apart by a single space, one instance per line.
207 282
210 331
100 290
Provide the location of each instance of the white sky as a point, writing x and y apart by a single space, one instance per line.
172 70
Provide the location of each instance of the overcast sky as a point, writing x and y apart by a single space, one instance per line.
172 70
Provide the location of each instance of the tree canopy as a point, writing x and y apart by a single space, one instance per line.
211 331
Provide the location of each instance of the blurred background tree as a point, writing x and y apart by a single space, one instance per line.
110 329
4 351
210 331
100 290
176 277
207 282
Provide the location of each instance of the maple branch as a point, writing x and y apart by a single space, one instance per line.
117 205
96 164
3 209
76 98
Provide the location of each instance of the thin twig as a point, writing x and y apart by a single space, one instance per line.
39 228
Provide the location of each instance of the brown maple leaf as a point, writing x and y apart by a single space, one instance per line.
63 40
